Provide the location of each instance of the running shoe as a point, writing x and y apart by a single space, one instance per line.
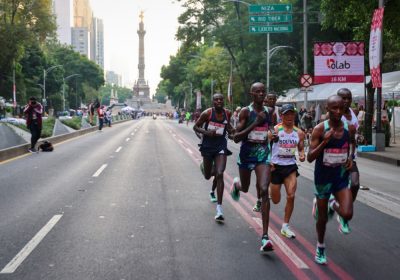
213 198
32 150
257 206
320 256
202 168
220 216
315 209
343 225
235 193
287 232
266 244
331 211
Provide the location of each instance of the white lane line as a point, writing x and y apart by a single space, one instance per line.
127 139
174 135
133 133
285 248
24 253
119 149
190 151
180 141
98 172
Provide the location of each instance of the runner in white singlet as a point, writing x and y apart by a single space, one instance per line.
283 162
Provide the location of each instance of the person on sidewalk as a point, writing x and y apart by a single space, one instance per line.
33 114
252 131
100 115
283 163
213 124
331 147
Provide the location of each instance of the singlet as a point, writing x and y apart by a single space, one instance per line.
260 133
283 151
353 121
329 164
218 142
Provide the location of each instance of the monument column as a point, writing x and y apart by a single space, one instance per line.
141 87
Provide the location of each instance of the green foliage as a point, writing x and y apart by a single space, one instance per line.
122 92
75 122
47 127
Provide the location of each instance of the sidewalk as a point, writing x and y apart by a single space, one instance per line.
391 155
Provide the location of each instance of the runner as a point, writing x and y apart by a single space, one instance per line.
332 143
351 119
252 131
283 163
269 102
214 147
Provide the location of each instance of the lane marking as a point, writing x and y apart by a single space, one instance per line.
190 151
285 248
30 246
133 133
98 172
119 149
127 139
180 141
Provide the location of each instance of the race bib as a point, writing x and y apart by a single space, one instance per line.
218 127
334 157
258 135
287 151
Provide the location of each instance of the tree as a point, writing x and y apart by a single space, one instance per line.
22 23
355 18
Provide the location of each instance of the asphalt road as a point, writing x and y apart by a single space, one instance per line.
131 203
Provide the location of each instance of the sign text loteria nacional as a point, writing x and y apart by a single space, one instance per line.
338 62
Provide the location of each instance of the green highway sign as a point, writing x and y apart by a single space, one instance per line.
271 8
270 28
271 18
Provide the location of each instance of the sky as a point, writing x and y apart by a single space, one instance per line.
121 42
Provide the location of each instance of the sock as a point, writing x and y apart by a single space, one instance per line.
332 203
259 199
212 191
284 225
219 208
320 245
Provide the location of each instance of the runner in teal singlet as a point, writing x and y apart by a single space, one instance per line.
332 146
252 131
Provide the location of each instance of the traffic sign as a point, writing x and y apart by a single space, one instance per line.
270 28
271 8
275 18
306 80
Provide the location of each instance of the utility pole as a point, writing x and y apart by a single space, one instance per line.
305 46
379 89
268 62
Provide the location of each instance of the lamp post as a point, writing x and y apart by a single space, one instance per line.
45 72
64 80
269 54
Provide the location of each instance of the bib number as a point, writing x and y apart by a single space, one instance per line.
258 135
287 152
218 127
334 157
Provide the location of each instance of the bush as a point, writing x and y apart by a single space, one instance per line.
75 122
47 127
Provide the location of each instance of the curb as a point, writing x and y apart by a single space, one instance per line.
379 158
20 150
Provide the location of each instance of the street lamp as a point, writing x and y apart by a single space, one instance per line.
269 54
65 79
45 72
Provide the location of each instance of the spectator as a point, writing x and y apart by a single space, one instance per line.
33 113
235 117
100 115
306 121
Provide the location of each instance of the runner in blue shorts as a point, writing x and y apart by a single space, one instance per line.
213 125
332 146
252 130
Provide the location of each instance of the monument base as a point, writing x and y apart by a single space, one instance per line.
378 140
